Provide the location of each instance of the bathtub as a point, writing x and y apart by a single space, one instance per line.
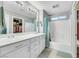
60 47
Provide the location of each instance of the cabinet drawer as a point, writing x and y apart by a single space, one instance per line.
20 53
34 39
14 46
25 43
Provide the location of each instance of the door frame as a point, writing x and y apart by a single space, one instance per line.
74 31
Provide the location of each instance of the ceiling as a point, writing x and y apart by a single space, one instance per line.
63 6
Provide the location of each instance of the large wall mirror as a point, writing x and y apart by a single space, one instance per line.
17 17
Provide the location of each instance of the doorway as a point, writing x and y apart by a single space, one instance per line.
78 33
77 16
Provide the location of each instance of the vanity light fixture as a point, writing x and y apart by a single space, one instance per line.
19 3
32 11
29 9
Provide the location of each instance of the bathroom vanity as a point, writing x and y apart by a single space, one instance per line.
19 30
22 46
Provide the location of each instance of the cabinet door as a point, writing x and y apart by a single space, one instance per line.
42 43
20 53
34 47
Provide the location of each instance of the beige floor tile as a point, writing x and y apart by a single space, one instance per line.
52 53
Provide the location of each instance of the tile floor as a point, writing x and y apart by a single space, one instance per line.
51 53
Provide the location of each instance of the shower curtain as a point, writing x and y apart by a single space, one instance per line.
46 31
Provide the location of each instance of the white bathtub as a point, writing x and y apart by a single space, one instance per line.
60 47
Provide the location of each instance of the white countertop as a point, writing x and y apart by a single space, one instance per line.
8 40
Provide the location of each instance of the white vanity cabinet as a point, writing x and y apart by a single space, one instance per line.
28 48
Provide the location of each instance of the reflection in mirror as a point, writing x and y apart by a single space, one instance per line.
3 28
17 25
30 25
19 16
